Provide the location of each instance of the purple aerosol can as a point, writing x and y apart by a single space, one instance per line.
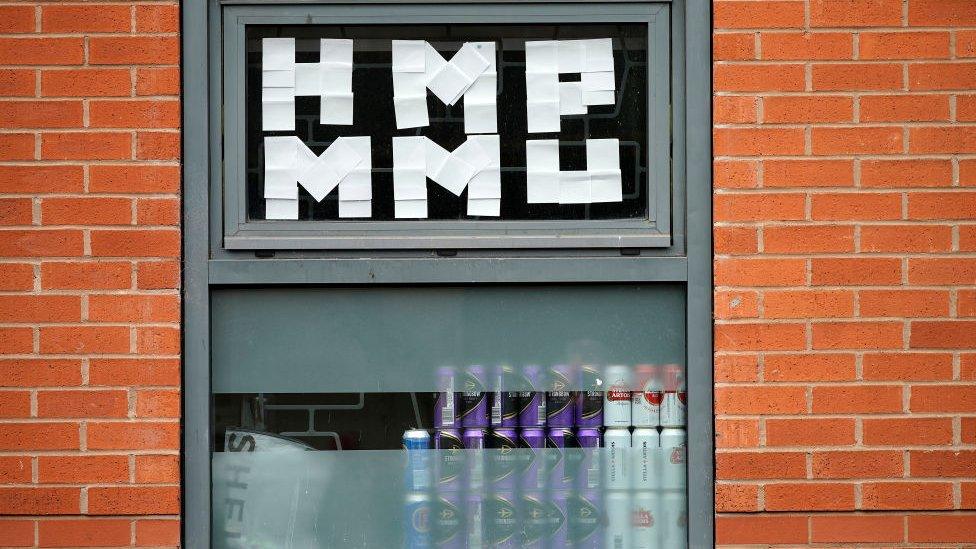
474 441
532 404
561 398
504 401
449 461
585 513
473 400
446 406
589 404
532 443
559 458
589 474
533 510
503 465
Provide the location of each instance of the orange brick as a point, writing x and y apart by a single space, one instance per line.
34 243
966 108
158 341
728 109
40 501
16 19
856 528
757 141
730 498
946 139
158 469
155 533
158 275
85 339
731 368
937 271
857 76
163 211
137 500
134 114
809 432
134 308
86 146
15 469
733 46
142 371
906 173
808 173
905 366
15 404
734 174
949 334
809 367
16 276
42 51
157 81
767 337
857 335
941 13
39 179
38 372
39 308
135 243
101 275
17 533
760 465
856 206
40 114
736 305
157 146
934 398
855 13
947 205
811 109
808 304
16 211
735 240
965 43
857 140
39 436
83 469
737 433
795 46
942 76
16 146
85 82
848 399
752 399
16 82
133 436
134 50
904 303
943 463
86 211
903 45
766 77
128 178
967 238
857 464
748 15
158 18
16 340
908 431
82 404
98 18
759 207
760 529
808 239
83 533
759 272
904 108
158 404
906 496
906 238
809 496
942 528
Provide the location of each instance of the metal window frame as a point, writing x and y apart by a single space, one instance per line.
208 263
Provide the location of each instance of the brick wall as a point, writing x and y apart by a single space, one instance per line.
89 274
845 271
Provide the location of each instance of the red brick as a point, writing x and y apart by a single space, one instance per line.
855 13
158 469
857 140
947 205
102 275
942 76
938 271
857 464
735 109
759 272
906 238
734 174
42 51
84 533
162 211
760 400
760 529
97 18
906 173
760 465
134 114
39 308
38 372
16 19
949 334
133 436
40 501
86 146
736 433
40 243
15 469
904 366
903 45
134 308
944 139
757 141
966 303
17 533
16 146
943 463
795 46
731 368
85 339
155 533
16 82
40 114
15 404
809 432
142 371
137 500
809 367
158 341
748 15
759 207
808 173
81 469
808 239
86 211
766 77
941 13
134 50
809 497
906 496
853 399
158 404
37 179
857 76
16 211
807 109
904 108
945 398
85 82
16 276
158 145
158 81
128 178
904 303
158 18
808 303
908 431
16 340
82 404
158 275
966 108
135 243
857 335
767 337
856 528
733 46
967 238
730 498
38 436
736 305
735 240
942 528
856 206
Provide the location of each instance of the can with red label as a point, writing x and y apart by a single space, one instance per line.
645 401
646 520
674 406
616 399
673 463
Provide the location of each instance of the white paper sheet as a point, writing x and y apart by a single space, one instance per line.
323 175
599 97
277 115
433 59
469 61
542 56
542 187
480 108
484 207
308 79
574 187
411 111
543 116
336 51
541 87
277 53
542 155
598 55
606 186
410 209
409 84
602 154
409 55
276 208
337 109
336 80
598 81
571 98
449 83
355 208
283 78
572 55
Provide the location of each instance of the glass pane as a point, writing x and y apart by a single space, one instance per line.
373 111
577 442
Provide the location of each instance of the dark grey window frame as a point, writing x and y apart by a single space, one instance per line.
210 261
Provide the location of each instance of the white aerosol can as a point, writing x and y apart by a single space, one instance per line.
616 398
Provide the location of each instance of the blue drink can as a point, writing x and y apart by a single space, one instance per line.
557 523
588 471
559 467
447 520
419 471
503 463
446 405
417 525
532 404
532 470
589 405
532 516
473 399
449 459
504 403
560 398
585 519
474 441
